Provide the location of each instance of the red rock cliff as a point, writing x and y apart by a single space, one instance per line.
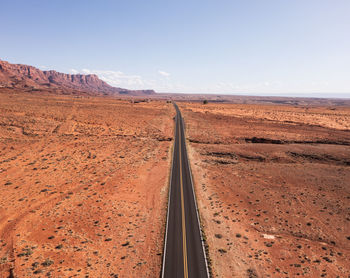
24 76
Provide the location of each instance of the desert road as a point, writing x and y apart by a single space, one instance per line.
184 254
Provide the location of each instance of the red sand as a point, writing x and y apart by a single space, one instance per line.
273 188
84 186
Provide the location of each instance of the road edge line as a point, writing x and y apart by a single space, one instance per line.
169 193
195 202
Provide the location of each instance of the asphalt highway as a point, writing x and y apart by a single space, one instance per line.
184 254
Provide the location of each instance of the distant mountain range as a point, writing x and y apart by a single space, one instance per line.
33 79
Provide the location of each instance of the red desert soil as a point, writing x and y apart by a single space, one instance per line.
83 185
273 188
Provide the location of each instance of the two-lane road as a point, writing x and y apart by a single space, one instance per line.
184 254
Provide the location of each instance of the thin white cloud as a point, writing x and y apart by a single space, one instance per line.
118 78
164 73
74 71
162 83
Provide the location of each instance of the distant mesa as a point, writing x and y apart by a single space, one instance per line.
33 79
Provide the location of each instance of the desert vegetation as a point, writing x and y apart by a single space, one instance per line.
83 185
272 184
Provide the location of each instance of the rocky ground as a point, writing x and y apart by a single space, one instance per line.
273 188
83 185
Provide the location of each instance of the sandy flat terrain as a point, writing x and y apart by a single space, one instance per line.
83 186
273 188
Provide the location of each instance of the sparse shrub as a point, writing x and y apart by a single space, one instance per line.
60 246
126 243
47 262
26 252
3 260
251 273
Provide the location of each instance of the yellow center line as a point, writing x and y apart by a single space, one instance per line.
184 248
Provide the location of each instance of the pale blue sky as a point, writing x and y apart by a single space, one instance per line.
279 47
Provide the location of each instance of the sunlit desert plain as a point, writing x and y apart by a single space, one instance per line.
83 185
273 187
